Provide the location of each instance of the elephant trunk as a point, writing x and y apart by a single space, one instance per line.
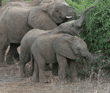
90 58
79 22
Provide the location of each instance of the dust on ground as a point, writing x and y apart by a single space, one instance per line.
10 82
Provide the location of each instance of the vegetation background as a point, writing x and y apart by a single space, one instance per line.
96 33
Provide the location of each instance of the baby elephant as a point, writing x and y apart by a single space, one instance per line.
51 48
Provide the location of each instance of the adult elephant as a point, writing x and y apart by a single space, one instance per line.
10 3
26 3
16 21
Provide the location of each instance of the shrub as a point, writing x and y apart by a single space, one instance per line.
97 27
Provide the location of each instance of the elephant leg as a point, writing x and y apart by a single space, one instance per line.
2 55
47 67
73 71
3 47
22 70
35 77
41 63
13 53
55 69
62 61
25 57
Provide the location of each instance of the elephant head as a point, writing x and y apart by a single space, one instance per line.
80 49
72 47
58 12
71 11
72 27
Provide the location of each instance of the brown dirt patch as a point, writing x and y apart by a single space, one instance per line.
11 83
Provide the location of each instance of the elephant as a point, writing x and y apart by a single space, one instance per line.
16 21
61 48
25 3
72 27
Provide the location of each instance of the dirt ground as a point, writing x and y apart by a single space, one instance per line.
10 82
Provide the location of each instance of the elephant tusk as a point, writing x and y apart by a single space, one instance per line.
68 17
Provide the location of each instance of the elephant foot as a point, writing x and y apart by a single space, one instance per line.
35 79
9 60
3 64
44 79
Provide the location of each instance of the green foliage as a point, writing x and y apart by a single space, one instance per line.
79 5
3 1
96 31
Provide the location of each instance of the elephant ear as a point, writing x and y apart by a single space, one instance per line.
62 46
48 7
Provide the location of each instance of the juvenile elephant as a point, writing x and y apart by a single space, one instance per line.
52 48
71 27
16 21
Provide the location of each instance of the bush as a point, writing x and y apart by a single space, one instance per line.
96 31
3 1
79 5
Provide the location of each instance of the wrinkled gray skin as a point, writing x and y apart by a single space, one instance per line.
16 21
53 48
25 3
72 27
